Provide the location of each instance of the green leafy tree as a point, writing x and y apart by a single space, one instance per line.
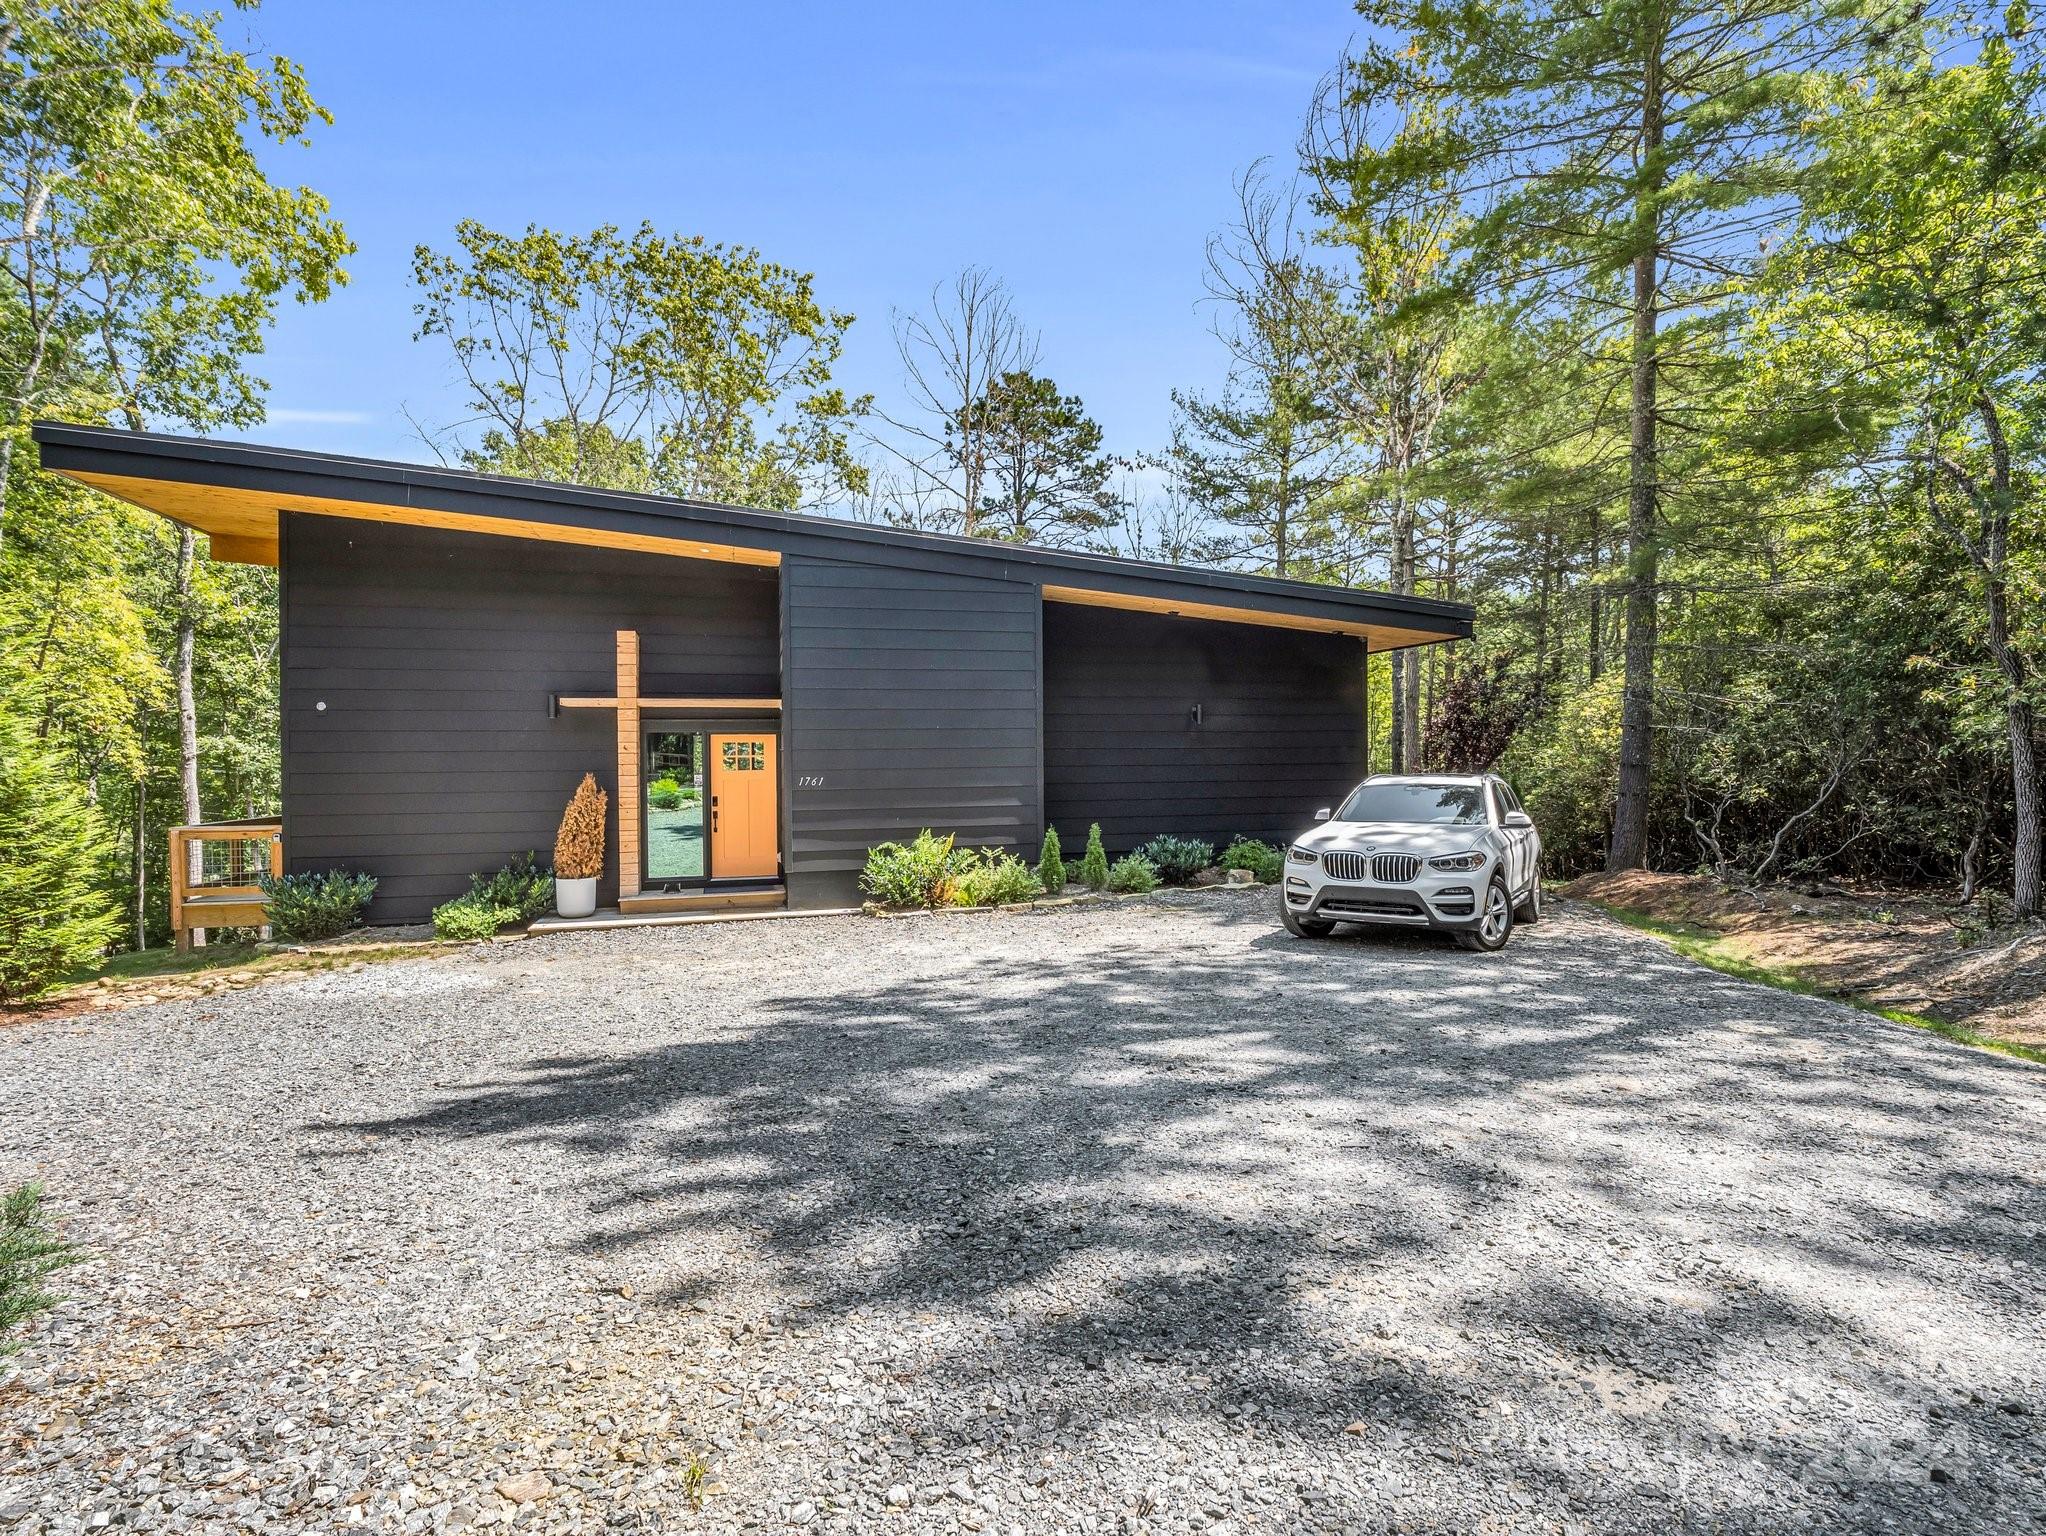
53 916
145 248
1051 864
642 361
1616 164
144 253
1909 322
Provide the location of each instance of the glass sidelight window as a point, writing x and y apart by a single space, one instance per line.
677 792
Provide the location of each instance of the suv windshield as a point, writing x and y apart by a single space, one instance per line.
1453 805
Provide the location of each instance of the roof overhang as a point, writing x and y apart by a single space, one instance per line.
236 494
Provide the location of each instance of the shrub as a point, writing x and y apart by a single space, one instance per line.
921 873
1094 862
522 887
1051 864
1261 859
308 907
1177 860
470 916
664 794
579 846
30 1249
1131 874
993 878
53 917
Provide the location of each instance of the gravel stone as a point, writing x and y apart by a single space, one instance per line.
1135 1217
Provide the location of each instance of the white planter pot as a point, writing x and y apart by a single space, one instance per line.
575 898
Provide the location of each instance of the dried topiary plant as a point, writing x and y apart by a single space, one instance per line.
579 846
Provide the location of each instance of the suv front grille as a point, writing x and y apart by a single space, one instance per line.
1394 868
1347 866
1384 868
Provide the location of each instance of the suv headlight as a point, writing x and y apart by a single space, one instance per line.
1300 855
1452 862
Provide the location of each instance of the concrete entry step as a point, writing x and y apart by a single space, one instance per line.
611 917
715 899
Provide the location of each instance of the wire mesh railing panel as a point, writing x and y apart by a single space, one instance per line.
228 861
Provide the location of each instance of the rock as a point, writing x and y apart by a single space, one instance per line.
525 1487
899 1497
1239 877
1355 1427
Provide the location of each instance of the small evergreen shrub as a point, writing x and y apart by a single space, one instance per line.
664 794
994 878
1051 864
1176 860
470 916
921 873
1261 859
1131 874
30 1250
53 917
1094 862
308 907
522 887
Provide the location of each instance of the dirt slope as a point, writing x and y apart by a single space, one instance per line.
1896 949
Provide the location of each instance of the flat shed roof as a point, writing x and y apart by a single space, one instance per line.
234 492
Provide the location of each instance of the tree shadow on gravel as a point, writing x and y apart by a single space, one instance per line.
1276 1188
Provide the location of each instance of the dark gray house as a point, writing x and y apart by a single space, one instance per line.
765 694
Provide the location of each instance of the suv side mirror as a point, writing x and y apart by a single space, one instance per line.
1519 820
1322 814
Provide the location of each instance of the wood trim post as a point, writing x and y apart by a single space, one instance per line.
629 859
181 936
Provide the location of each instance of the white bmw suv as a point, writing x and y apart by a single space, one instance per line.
1447 851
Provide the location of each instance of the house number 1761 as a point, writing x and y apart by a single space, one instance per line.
810 781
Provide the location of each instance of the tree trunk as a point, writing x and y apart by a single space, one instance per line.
188 713
2024 763
1406 679
6 470
1629 849
1279 516
1398 734
2024 768
141 864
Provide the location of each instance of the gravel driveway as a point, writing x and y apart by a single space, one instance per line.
1136 1218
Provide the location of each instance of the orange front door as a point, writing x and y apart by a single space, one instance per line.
745 830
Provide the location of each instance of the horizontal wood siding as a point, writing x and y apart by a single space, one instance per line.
913 696
1282 727
435 653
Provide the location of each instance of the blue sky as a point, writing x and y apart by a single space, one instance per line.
1083 152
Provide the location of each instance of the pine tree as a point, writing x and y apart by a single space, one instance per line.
1620 165
30 1250
53 914
1094 862
1051 864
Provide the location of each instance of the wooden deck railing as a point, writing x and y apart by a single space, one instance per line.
213 870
